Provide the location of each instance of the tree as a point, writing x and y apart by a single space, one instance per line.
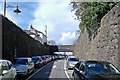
90 14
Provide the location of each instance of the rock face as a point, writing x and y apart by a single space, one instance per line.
16 43
105 43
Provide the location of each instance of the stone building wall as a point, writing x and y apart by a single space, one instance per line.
0 37
106 44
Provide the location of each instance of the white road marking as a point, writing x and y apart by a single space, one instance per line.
54 66
37 71
66 71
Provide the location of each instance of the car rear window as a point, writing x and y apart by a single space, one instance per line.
21 61
35 58
73 59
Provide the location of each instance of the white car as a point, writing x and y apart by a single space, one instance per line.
24 66
7 71
71 61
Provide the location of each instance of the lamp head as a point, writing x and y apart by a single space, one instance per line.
17 10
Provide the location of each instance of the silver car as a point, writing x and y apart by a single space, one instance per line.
24 66
7 71
71 61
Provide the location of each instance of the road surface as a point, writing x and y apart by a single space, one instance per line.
51 71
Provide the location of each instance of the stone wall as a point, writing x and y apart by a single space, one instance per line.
105 43
16 43
0 37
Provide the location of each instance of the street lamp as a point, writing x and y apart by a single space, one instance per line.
16 11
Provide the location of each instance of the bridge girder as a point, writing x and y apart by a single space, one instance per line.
61 48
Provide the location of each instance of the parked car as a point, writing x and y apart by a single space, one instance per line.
95 70
37 60
7 70
44 61
24 66
71 61
48 58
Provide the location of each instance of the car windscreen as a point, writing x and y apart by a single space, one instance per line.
73 59
21 61
35 59
43 58
101 68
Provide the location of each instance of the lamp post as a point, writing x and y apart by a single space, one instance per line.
16 11
4 8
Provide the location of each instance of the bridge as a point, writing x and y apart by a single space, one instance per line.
61 48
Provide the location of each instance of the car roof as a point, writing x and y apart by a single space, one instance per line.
1 60
95 61
23 58
72 57
35 56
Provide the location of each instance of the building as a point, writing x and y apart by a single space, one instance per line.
37 35
51 42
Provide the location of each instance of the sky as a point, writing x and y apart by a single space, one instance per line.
56 14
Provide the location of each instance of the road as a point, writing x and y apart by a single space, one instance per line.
53 70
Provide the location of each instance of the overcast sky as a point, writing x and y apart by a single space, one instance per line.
56 14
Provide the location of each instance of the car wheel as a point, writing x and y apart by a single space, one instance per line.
27 73
73 77
66 68
40 65
33 71
15 78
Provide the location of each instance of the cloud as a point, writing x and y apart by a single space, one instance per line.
57 16
68 37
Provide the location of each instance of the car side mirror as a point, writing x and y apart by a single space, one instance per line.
4 72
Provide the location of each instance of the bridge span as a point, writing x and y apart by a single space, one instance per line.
61 48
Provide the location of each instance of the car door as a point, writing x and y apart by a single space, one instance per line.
12 70
81 73
31 65
0 70
6 74
76 70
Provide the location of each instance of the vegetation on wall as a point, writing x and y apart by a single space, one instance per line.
90 14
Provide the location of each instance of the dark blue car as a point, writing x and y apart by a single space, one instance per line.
95 70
